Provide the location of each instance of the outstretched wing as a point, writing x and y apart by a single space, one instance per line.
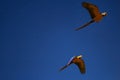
92 9
81 66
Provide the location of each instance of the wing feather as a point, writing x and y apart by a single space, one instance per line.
92 9
81 66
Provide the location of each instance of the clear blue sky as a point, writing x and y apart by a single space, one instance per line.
37 38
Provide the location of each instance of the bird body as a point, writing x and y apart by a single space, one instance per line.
78 61
94 12
98 18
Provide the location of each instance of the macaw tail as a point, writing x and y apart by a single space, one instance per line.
85 25
63 67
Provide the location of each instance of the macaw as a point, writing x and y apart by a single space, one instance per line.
78 61
94 12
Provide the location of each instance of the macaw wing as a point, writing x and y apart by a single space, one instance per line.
92 9
81 66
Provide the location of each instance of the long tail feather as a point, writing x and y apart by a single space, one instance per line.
84 25
63 67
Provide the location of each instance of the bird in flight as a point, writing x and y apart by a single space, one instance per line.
94 12
78 61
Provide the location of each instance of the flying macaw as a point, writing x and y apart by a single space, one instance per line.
78 61
94 12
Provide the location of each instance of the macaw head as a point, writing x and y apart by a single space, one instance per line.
104 13
80 56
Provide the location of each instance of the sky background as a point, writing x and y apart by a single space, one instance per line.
37 37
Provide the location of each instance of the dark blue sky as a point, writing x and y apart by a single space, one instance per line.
38 38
